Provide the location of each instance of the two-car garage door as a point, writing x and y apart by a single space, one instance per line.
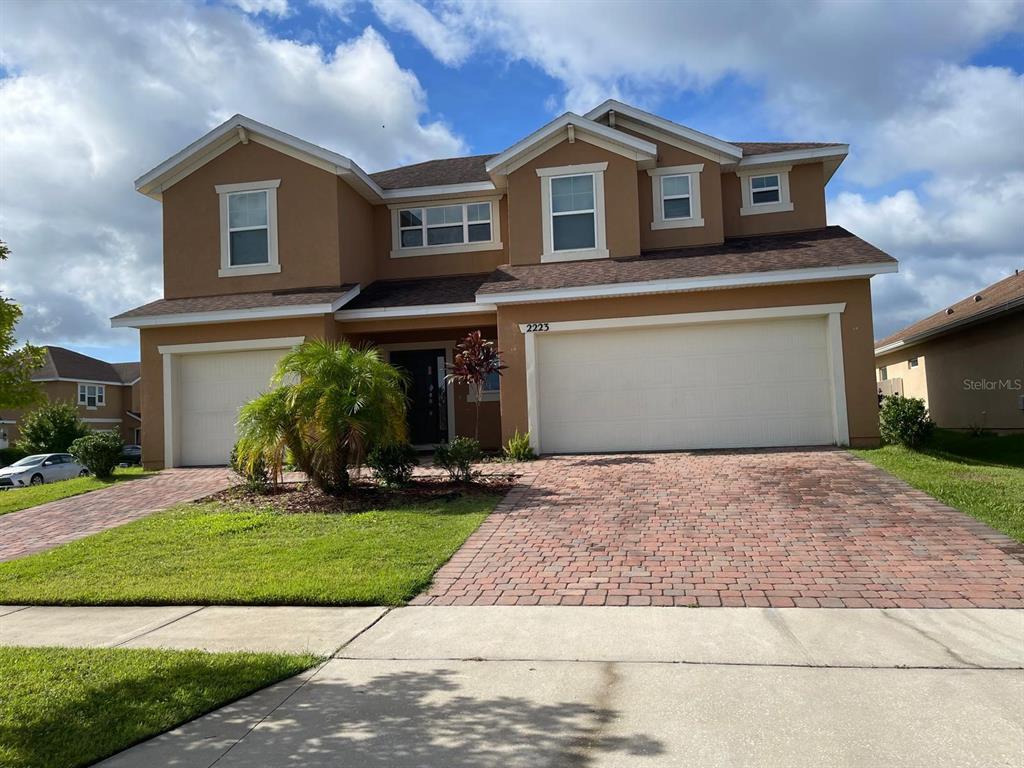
721 385
212 387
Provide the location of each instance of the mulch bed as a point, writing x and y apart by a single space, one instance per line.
363 495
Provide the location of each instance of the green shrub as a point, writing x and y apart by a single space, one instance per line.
457 457
393 464
51 428
904 421
99 452
518 448
254 473
10 455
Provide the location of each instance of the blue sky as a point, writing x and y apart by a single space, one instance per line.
930 96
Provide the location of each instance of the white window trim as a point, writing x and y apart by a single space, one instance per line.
750 208
273 264
487 396
657 176
83 395
494 244
600 249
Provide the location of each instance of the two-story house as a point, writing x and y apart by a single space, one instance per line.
650 287
106 395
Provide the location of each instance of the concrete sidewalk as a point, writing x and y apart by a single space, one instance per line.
591 687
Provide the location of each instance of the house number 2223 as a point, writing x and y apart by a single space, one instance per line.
534 327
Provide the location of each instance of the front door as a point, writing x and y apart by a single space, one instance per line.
428 406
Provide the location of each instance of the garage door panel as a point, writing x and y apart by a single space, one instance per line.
722 385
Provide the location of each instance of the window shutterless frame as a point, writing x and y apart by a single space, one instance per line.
228 191
91 395
663 190
452 227
595 208
765 190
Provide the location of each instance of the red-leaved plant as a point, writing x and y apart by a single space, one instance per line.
474 360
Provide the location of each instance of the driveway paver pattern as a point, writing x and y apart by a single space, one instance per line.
58 522
785 528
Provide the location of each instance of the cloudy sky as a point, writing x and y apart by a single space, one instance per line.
930 95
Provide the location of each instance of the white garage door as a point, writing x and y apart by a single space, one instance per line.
743 384
213 387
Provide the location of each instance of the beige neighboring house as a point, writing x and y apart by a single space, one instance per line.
650 286
966 361
107 395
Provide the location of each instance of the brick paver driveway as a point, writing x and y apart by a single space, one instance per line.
58 522
772 528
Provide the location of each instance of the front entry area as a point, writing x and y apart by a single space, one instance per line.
684 383
428 401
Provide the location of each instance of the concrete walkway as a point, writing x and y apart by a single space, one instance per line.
49 525
554 686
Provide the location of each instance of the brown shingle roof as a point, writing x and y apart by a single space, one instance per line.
828 247
128 372
765 147
453 170
294 298
1005 296
425 291
61 363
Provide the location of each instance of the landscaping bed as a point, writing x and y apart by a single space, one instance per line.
69 707
371 546
980 475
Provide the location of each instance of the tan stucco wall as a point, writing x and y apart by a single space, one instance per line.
806 191
465 409
153 372
710 200
992 352
355 235
914 380
117 399
307 218
621 208
388 268
858 355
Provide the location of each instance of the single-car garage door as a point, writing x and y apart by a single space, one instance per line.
753 383
213 386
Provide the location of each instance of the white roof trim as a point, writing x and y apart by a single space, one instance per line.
234 315
951 327
796 156
423 310
83 381
634 147
467 188
688 284
668 126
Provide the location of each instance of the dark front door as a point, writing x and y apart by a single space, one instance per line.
428 407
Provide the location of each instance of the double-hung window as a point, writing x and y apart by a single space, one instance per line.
248 228
675 193
446 228
91 395
765 190
572 199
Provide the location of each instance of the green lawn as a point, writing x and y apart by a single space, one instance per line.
22 498
212 554
982 476
66 707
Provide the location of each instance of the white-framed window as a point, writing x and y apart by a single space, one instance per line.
884 373
675 195
491 390
91 395
419 230
765 190
248 228
572 203
912 362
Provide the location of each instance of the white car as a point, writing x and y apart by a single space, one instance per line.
39 469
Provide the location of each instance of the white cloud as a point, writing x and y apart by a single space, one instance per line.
445 41
339 8
277 8
81 121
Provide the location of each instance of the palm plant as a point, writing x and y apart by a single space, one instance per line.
331 404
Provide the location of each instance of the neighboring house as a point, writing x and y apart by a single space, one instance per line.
651 287
966 362
108 395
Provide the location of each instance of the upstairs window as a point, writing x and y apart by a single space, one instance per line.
884 373
764 189
573 214
446 228
675 195
248 228
91 395
912 362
